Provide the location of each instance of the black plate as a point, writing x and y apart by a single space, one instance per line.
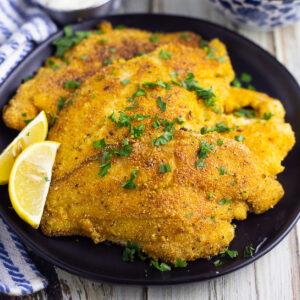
100 262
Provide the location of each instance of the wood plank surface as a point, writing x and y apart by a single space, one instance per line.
276 276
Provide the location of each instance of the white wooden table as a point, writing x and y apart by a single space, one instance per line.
276 276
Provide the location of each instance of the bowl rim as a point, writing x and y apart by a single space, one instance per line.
66 11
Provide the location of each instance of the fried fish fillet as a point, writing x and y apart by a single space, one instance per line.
79 63
185 213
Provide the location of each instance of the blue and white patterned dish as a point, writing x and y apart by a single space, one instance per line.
260 14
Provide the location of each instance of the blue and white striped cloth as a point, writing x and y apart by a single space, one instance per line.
22 25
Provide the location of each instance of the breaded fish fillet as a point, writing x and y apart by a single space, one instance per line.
172 106
79 63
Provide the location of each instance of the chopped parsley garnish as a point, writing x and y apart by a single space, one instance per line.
132 249
124 121
119 27
102 42
137 132
154 38
27 121
210 54
107 62
192 85
219 127
129 184
84 57
164 168
176 82
233 183
125 81
212 218
126 149
27 78
160 266
106 164
236 82
174 74
189 215
246 77
268 116
61 103
46 179
249 251
203 153
99 144
245 112
165 54
99 31
53 120
112 50
24 115
218 263
185 37
141 53
239 138
134 105
140 92
180 263
158 82
72 84
229 253
163 139
179 121
52 64
223 201
219 142
161 104
69 40
222 171
107 154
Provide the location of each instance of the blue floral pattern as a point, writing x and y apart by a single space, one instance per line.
259 13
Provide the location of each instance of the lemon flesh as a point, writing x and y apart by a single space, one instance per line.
35 131
29 181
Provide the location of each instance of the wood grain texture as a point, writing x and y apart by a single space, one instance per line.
276 276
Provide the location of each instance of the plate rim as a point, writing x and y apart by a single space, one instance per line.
90 275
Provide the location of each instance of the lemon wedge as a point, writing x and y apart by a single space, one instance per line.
29 181
35 131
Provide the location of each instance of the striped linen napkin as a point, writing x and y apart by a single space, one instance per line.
22 25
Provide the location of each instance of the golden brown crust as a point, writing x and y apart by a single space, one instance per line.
177 214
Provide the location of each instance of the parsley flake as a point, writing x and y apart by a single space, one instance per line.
249 251
154 38
164 168
230 253
222 171
223 201
239 138
129 184
165 54
125 81
99 144
218 263
161 104
72 84
61 103
268 116
180 263
160 266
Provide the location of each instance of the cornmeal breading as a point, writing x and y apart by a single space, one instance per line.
80 63
185 213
